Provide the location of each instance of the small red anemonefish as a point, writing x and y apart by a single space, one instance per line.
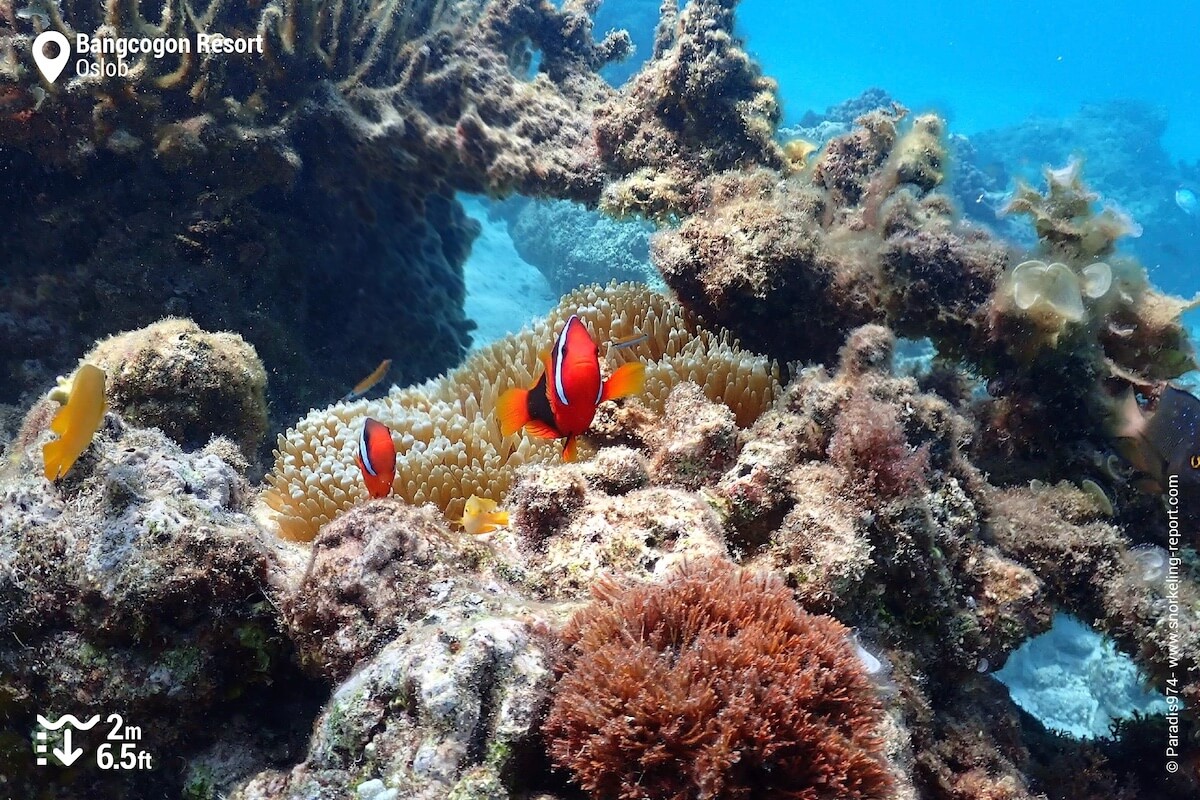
563 401
377 457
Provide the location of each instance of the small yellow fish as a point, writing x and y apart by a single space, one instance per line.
364 386
76 422
480 516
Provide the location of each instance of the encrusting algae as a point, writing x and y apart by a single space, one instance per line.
76 422
449 440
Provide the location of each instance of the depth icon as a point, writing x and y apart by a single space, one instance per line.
51 67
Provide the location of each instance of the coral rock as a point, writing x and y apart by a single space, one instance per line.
446 709
641 533
698 441
190 384
820 547
135 586
617 470
702 105
374 571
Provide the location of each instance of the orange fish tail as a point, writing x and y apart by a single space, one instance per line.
513 410
628 379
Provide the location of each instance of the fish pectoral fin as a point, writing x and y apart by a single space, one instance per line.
540 430
628 379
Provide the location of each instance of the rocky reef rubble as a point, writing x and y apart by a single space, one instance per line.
135 586
427 662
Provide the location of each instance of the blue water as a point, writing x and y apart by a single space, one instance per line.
986 64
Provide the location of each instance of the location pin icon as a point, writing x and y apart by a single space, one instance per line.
51 67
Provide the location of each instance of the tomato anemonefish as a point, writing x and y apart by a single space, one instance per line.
563 401
377 458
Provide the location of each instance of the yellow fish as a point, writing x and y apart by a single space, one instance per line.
76 422
363 386
480 516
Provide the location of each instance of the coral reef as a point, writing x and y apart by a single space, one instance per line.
440 647
379 78
1062 533
701 105
299 273
190 384
1125 160
302 197
791 264
447 429
731 528
135 586
446 710
642 533
713 684
398 562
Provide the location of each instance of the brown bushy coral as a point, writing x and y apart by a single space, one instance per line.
713 684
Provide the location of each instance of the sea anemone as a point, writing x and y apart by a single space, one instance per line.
713 684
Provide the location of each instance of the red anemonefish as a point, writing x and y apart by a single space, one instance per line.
563 401
377 457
